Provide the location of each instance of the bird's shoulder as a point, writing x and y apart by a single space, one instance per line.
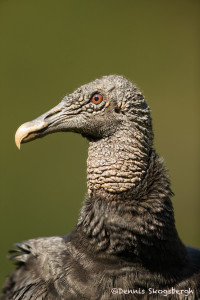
40 263
39 248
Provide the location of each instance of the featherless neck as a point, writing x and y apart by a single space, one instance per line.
117 163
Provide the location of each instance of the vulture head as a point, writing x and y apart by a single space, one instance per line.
113 115
95 110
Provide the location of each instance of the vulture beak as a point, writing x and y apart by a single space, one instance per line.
49 122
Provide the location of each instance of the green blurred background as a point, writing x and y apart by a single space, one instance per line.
50 47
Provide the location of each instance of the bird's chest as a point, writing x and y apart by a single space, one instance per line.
118 285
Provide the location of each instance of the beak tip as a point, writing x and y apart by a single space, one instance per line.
18 145
27 131
20 134
17 141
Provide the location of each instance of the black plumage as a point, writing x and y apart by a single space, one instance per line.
125 243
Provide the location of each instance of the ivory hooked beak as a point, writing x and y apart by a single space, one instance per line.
28 131
44 124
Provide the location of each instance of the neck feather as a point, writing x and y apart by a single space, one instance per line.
138 223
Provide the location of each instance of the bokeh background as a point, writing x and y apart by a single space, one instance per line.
50 47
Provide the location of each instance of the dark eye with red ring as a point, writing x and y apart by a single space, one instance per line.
97 98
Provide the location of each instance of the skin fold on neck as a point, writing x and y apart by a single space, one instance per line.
117 163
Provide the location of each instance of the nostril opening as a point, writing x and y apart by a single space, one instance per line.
117 110
53 113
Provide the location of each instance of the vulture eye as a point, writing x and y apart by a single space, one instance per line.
97 98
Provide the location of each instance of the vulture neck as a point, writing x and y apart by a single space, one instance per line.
128 211
117 163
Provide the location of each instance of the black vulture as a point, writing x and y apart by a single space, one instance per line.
125 244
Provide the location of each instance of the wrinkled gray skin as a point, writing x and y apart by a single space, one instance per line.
125 236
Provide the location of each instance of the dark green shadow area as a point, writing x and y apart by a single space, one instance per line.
47 49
